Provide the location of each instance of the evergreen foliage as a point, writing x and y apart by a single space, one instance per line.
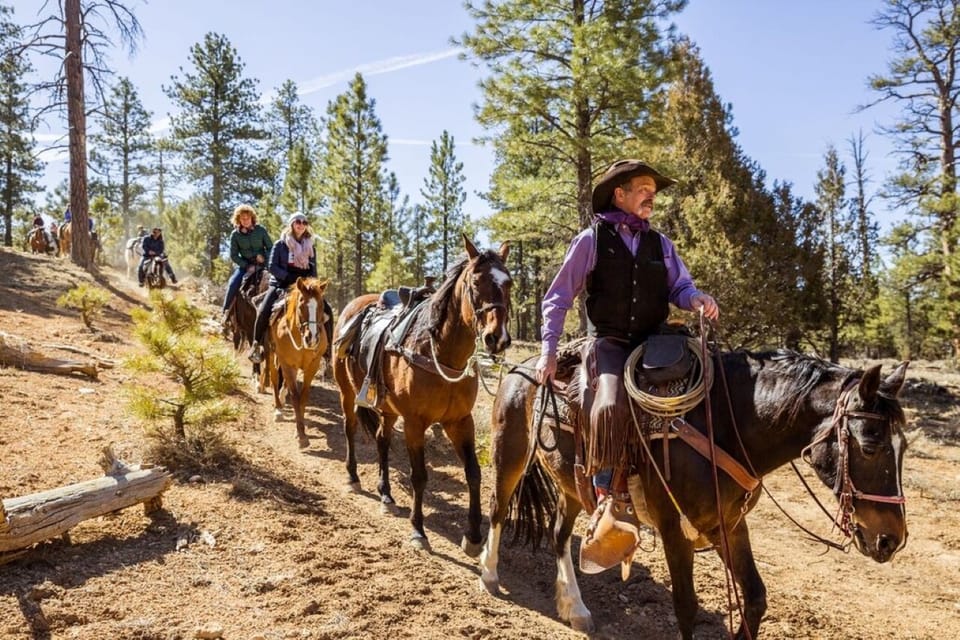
19 168
218 131
120 151
444 195
200 371
921 79
354 179
89 300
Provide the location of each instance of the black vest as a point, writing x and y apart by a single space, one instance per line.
627 296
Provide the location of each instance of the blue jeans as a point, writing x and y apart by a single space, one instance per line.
603 479
233 286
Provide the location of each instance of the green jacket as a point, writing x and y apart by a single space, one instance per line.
245 247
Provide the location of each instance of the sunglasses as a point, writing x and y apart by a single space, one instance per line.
299 222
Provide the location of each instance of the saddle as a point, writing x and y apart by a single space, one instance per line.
380 326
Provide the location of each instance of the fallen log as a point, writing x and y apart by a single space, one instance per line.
17 352
34 518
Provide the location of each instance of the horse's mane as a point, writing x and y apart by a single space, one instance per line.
434 319
793 377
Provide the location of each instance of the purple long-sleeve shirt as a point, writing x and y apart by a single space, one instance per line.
580 260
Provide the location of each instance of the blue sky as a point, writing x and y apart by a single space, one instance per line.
793 72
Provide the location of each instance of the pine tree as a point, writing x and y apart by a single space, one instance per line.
75 35
293 136
569 82
120 150
218 132
353 181
444 195
727 227
19 168
838 234
922 80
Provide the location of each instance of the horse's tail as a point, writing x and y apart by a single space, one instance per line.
532 512
369 419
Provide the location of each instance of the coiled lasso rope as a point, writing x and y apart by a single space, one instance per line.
669 406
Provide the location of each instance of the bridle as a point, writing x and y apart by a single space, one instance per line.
309 326
843 487
486 306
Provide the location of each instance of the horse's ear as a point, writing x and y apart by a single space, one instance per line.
470 247
891 386
869 384
299 284
504 250
322 285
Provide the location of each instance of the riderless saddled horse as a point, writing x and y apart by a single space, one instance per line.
429 377
767 409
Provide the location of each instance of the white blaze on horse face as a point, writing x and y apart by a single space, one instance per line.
500 277
899 444
312 319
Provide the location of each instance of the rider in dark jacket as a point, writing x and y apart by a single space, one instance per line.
293 256
152 245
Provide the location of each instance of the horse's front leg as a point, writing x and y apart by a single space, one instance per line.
301 397
744 570
462 435
349 409
679 554
569 601
413 432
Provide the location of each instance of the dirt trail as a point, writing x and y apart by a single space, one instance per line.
274 547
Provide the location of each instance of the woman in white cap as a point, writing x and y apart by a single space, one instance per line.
292 257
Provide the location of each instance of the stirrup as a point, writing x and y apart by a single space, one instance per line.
610 540
367 396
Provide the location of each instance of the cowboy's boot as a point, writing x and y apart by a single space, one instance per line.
612 536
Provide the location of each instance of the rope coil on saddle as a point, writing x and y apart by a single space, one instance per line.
670 406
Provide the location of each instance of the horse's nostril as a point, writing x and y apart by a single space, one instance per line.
887 544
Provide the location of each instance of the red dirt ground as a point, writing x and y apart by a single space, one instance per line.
273 547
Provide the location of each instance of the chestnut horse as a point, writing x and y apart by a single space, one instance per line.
66 238
430 378
296 343
780 406
39 243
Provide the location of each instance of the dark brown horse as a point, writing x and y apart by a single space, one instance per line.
242 314
296 343
847 423
432 379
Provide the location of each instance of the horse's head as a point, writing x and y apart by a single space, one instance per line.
308 306
860 455
487 294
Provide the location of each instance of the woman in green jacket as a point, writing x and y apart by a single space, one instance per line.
249 247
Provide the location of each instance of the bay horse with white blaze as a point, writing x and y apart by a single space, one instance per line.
295 343
780 406
430 377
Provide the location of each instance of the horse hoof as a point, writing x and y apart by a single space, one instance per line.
277 415
492 587
583 624
352 487
419 541
472 549
303 441
389 508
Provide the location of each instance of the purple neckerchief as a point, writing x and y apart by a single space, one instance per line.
616 217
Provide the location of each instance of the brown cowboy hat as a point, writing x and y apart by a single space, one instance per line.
620 172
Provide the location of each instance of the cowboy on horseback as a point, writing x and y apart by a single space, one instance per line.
629 274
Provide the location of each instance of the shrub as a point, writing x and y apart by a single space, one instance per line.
88 299
184 415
